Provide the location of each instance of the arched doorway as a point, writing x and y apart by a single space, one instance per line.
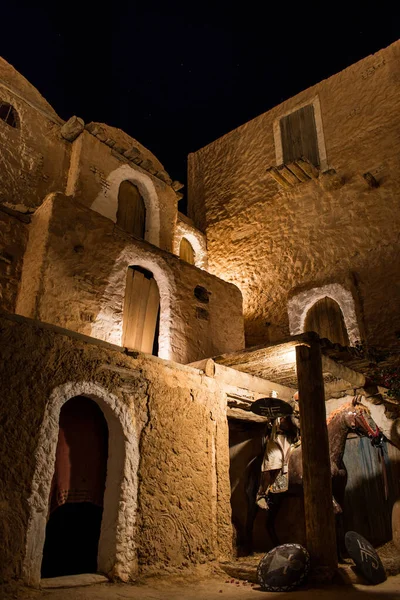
186 251
77 490
326 318
131 213
141 311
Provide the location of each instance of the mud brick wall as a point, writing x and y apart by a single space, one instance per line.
274 242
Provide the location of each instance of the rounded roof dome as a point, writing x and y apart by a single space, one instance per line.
17 83
124 140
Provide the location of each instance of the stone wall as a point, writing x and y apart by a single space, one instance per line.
75 272
13 239
34 157
275 242
163 482
97 171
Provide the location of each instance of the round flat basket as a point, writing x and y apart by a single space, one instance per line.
365 557
284 568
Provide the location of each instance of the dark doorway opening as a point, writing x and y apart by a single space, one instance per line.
246 449
77 491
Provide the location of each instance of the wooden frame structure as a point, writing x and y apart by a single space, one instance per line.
297 363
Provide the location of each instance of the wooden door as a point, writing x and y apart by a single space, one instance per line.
131 214
299 136
186 252
326 318
141 310
77 490
366 510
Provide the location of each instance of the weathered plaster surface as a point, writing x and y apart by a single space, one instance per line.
274 243
96 172
11 79
167 422
300 304
197 240
34 158
13 240
75 277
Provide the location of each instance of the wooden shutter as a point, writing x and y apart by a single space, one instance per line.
131 214
186 252
141 310
326 318
299 136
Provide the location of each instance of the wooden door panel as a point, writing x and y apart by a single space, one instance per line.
299 136
326 318
131 214
150 320
366 510
186 252
141 310
132 307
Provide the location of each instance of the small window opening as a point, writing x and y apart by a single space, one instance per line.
186 251
131 214
299 136
8 114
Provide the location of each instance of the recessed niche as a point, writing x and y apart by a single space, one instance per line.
201 294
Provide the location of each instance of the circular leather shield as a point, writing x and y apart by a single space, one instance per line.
365 557
283 568
272 408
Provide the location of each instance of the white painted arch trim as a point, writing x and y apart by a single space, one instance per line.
299 305
106 202
197 241
117 555
109 320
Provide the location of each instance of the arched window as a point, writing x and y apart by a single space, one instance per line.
326 318
186 251
131 213
9 114
141 311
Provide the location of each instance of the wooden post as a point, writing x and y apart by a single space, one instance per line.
317 482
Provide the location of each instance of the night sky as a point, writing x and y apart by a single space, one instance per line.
176 76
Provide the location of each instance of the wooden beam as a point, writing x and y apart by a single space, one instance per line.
288 175
308 168
273 171
243 415
256 384
356 379
317 481
206 364
298 171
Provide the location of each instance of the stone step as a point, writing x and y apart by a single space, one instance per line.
69 581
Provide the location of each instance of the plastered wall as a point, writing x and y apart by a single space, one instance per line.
74 276
34 157
13 238
96 173
170 459
275 243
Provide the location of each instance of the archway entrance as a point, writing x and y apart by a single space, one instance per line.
77 490
326 318
141 321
